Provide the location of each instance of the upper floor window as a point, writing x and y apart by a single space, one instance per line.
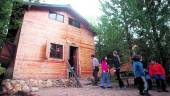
74 23
56 16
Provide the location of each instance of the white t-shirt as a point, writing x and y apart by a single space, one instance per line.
95 62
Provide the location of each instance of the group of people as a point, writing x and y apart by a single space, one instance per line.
105 70
144 75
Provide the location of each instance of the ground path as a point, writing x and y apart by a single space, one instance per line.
89 90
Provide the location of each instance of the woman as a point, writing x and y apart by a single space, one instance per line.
158 73
105 76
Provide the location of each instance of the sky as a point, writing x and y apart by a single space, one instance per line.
87 8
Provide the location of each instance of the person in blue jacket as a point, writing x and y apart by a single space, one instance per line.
140 76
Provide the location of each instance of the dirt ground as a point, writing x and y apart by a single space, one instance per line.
89 90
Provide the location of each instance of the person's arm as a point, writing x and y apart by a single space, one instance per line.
134 68
162 70
141 69
150 71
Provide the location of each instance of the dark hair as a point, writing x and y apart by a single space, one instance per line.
103 58
92 56
136 58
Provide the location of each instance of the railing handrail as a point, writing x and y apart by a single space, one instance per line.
74 75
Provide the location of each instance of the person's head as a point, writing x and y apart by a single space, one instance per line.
115 52
92 56
104 58
136 58
153 61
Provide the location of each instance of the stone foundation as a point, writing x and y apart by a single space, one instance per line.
13 86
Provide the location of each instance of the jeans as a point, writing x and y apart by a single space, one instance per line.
105 77
160 82
140 84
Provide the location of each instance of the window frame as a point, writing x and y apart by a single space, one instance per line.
56 15
71 20
49 50
60 15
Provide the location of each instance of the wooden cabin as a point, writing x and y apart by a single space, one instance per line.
50 36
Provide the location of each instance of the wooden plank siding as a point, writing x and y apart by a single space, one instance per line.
37 32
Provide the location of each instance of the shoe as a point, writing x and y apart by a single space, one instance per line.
102 87
165 91
94 84
146 93
141 93
159 90
109 87
123 88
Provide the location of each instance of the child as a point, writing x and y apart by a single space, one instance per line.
158 73
104 74
147 76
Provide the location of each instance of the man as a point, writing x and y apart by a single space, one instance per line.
116 62
140 76
95 65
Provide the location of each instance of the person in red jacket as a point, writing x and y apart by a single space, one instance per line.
157 71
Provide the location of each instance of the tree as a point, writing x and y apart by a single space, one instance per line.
5 12
10 15
153 29
143 23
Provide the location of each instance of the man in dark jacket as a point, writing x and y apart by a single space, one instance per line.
116 62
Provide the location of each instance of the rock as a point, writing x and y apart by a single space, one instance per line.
49 83
34 89
25 88
8 86
33 83
16 88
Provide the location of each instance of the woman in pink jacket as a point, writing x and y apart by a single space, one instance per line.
105 77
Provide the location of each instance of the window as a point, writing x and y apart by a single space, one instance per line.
74 23
56 16
56 51
52 15
60 17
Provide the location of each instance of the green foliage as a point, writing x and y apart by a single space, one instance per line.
5 12
153 29
2 70
11 12
143 23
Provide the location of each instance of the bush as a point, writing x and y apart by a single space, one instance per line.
2 70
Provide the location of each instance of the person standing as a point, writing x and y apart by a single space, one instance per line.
116 62
139 75
105 75
95 65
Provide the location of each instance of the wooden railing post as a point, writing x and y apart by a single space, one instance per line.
74 75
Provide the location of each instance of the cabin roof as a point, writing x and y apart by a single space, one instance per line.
66 8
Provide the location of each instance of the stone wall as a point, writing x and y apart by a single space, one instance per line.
29 85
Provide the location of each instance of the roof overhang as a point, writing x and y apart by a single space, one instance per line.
66 8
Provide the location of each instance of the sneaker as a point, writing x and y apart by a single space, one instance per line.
102 87
159 90
123 88
109 87
146 93
141 93
165 91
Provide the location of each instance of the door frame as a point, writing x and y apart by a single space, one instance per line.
78 57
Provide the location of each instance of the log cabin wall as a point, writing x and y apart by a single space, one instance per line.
37 32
